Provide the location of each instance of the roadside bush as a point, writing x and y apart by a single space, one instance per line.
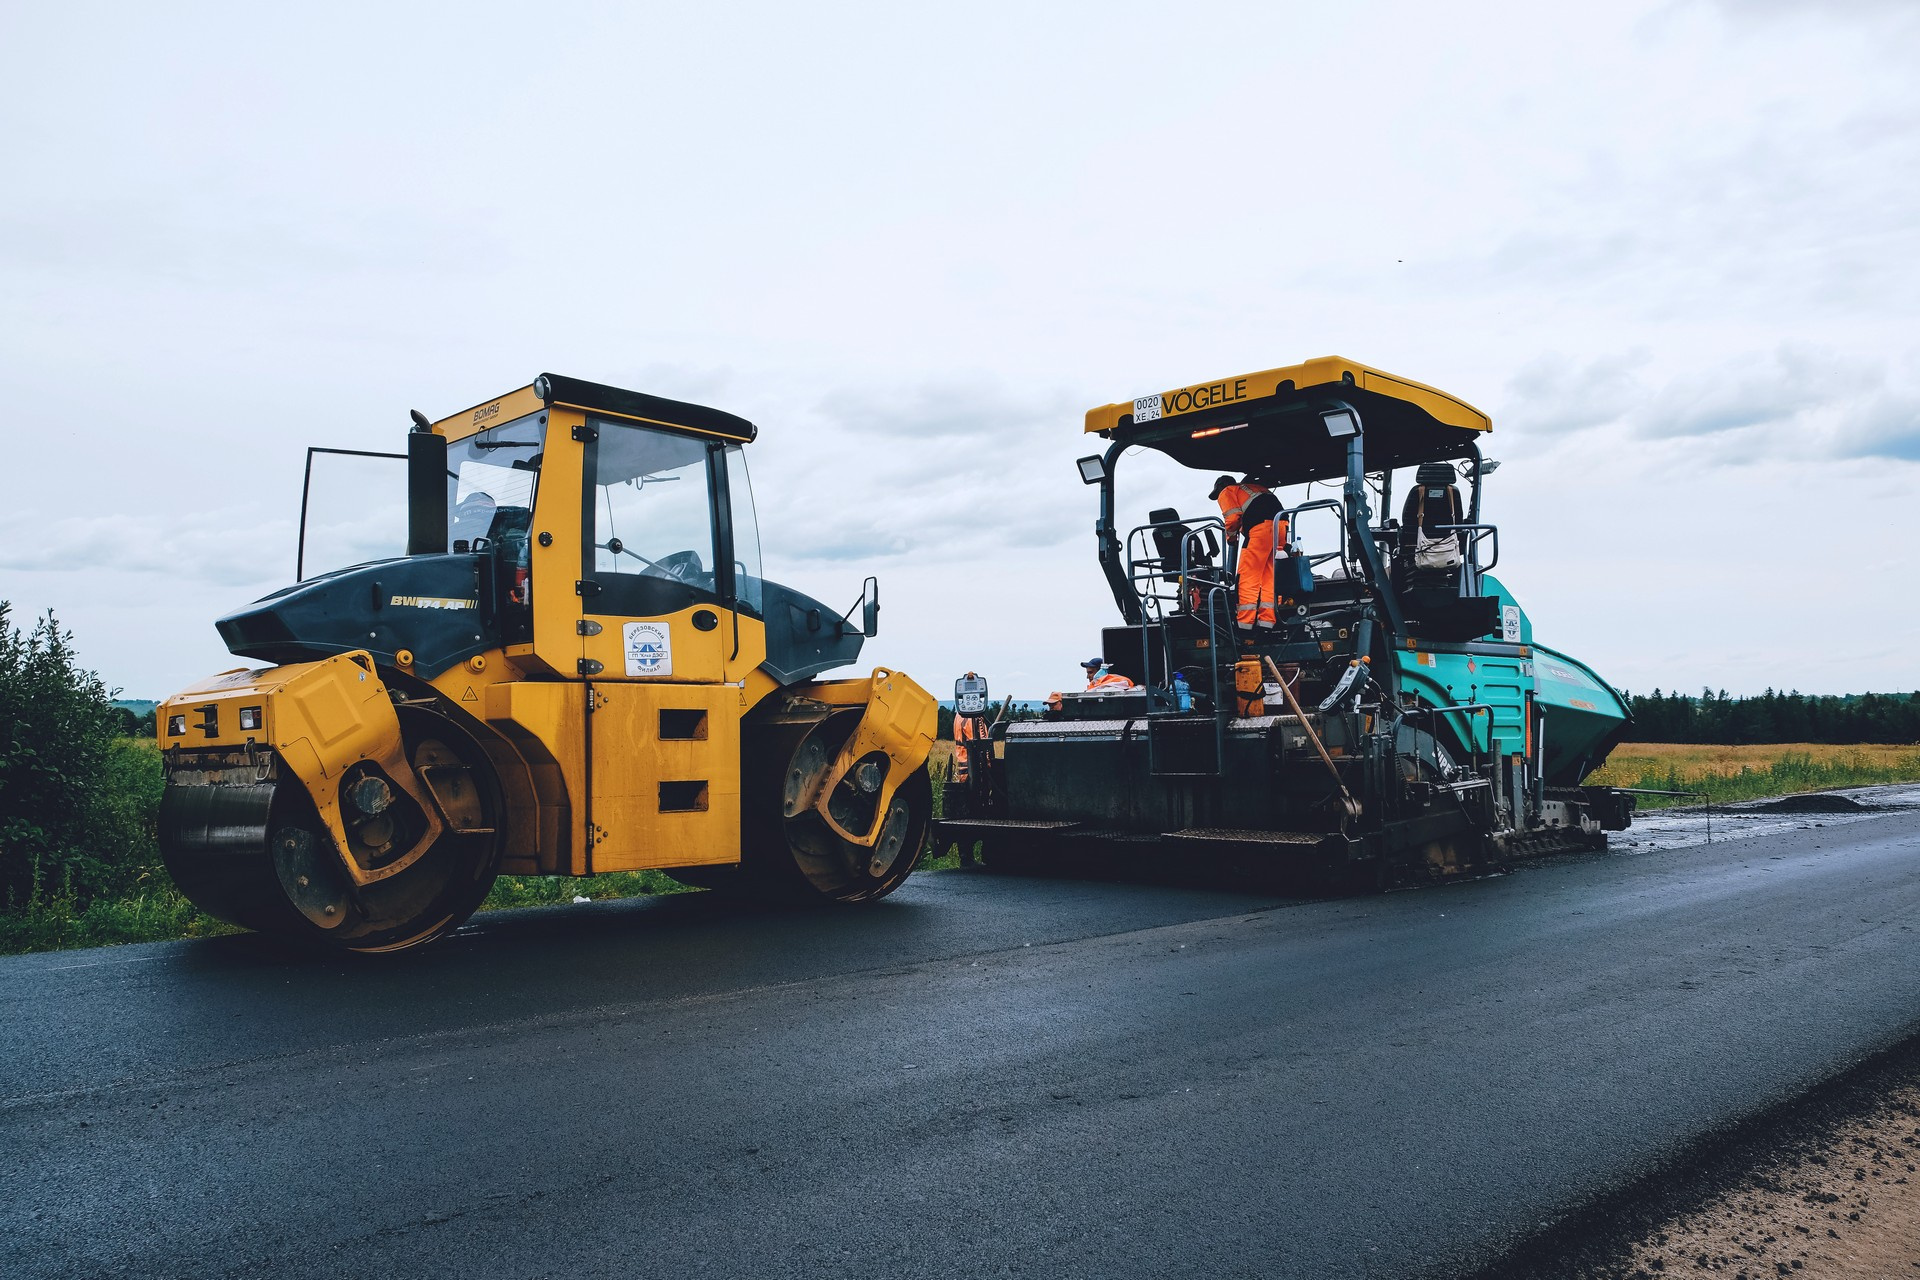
77 801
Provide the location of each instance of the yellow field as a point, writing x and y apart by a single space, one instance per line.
1631 760
1751 773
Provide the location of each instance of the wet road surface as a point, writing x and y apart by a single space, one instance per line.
981 1076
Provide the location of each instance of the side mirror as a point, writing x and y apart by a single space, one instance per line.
1093 469
870 608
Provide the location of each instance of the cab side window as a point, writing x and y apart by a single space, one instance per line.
651 528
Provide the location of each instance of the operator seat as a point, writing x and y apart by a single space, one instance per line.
1428 555
1169 534
1430 563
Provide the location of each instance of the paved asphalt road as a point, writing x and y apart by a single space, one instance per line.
982 1076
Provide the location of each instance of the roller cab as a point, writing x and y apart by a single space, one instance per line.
576 666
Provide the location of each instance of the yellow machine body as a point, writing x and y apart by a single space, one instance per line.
529 690
665 793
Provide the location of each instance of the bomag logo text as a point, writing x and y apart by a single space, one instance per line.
1187 399
486 413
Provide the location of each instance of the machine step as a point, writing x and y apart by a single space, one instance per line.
1004 824
1235 835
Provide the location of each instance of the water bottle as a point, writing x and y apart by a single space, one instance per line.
1182 695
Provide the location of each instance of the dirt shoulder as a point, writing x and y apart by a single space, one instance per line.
1824 1186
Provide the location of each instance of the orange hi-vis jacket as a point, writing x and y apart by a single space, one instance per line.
965 730
1111 680
1254 573
1234 500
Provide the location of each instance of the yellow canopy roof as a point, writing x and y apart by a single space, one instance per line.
1269 424
1287 382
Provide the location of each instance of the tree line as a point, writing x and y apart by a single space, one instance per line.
1005 708
1714 717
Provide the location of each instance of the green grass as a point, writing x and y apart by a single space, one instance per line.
57 922
940 767
542 891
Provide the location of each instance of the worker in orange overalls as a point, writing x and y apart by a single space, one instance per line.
1248 510
966 731
1098 677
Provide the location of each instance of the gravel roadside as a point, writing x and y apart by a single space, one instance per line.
1822 1186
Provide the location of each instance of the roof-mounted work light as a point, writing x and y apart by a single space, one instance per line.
1093 469
1341 423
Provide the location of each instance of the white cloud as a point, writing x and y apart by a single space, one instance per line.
222 547
1793 402
1653 239
943 471
1887 425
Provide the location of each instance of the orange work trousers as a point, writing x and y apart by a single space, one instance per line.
1255 578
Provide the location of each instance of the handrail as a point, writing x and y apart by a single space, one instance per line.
1147 573
1291 514
1480 532
1148 576
1330 504
1434 712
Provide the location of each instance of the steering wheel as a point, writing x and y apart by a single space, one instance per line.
681 566
684 565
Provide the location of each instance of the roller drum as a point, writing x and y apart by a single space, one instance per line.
788 849
255 854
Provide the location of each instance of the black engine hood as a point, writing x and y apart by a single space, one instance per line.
438 606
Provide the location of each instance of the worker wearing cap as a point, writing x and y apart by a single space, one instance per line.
1097 678
1248 510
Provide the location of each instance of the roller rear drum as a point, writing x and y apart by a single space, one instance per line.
788 849
254 852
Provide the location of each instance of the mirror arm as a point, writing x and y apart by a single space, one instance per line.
869 606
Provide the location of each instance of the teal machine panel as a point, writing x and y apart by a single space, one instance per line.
1581 717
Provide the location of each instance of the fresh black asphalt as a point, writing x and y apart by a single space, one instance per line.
980 1076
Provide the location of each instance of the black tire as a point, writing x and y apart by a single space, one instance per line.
800 859
278 875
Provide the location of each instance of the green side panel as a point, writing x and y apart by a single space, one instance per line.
1452 679
1583 716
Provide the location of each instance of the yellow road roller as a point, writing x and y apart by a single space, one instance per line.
577 667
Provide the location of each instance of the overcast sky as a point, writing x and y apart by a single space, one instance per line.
1672 248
